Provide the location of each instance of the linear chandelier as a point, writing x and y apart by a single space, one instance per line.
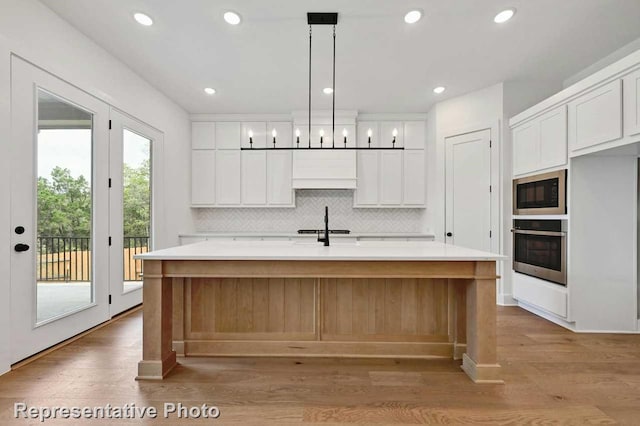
322 18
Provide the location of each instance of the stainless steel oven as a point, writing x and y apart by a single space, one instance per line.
540 194
540 249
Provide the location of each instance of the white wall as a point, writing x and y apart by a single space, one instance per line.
34 32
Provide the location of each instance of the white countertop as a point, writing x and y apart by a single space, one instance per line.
304 250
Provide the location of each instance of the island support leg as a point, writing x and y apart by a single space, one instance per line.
158 358
480 362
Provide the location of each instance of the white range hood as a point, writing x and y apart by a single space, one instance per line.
325 168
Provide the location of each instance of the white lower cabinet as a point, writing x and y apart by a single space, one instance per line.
368 178
279 185
203 177
254 178
413 187
227 173
391 177
596 117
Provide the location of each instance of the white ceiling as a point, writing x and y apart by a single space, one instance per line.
383 64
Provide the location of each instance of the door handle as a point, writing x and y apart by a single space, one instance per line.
21 247
449 234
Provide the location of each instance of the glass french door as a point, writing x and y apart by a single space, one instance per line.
59 210
133 165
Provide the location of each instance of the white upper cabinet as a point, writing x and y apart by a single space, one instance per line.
368 178
279 185
254 177
388 178
386 134
413 187
414 135
227 172
228 135
203 135
203 178
364 127
541 143
631 85
391 177
255 132
596 117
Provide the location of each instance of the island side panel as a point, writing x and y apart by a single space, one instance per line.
158 358
480 361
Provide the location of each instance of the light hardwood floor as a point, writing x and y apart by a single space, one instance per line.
552 376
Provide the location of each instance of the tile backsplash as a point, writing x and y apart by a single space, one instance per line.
309 214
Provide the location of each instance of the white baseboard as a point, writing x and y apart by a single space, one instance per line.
507 300
547 315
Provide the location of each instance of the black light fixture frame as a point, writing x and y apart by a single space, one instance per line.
323 18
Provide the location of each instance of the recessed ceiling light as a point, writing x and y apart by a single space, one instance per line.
504 16
209 91
327 90
143 19
438 90
232 18
413 16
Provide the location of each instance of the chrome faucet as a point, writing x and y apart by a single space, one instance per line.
325 240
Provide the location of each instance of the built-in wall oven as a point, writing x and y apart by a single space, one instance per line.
540 249
540 194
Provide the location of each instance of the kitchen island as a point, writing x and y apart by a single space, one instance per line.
396 299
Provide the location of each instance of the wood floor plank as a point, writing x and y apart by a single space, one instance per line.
553 376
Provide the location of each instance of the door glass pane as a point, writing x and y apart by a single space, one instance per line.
64 279
136 205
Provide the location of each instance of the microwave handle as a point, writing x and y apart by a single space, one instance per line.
544 233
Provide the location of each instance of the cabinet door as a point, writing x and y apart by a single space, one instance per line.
227 177
526 146
368 178
284 134
386 134
227 135
279 185
553 138
596 117
203 177
391 177
254 178
631 87
203 135
259 129
414 134
363 137
414 185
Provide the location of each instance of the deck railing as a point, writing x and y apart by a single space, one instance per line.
68 259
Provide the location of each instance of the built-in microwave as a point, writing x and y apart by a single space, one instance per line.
541 194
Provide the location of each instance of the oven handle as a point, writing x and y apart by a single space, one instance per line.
545 233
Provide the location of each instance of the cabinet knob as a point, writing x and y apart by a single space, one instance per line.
449 234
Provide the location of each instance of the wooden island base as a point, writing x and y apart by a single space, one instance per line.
395 309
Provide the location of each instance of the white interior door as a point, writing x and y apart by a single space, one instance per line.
59 210
468 193
133 192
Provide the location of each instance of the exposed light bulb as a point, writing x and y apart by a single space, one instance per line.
297 133
321 132
369 132
274 133
250 133
344 132
395 132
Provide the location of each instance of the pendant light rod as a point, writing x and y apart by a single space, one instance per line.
333 93
310 30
